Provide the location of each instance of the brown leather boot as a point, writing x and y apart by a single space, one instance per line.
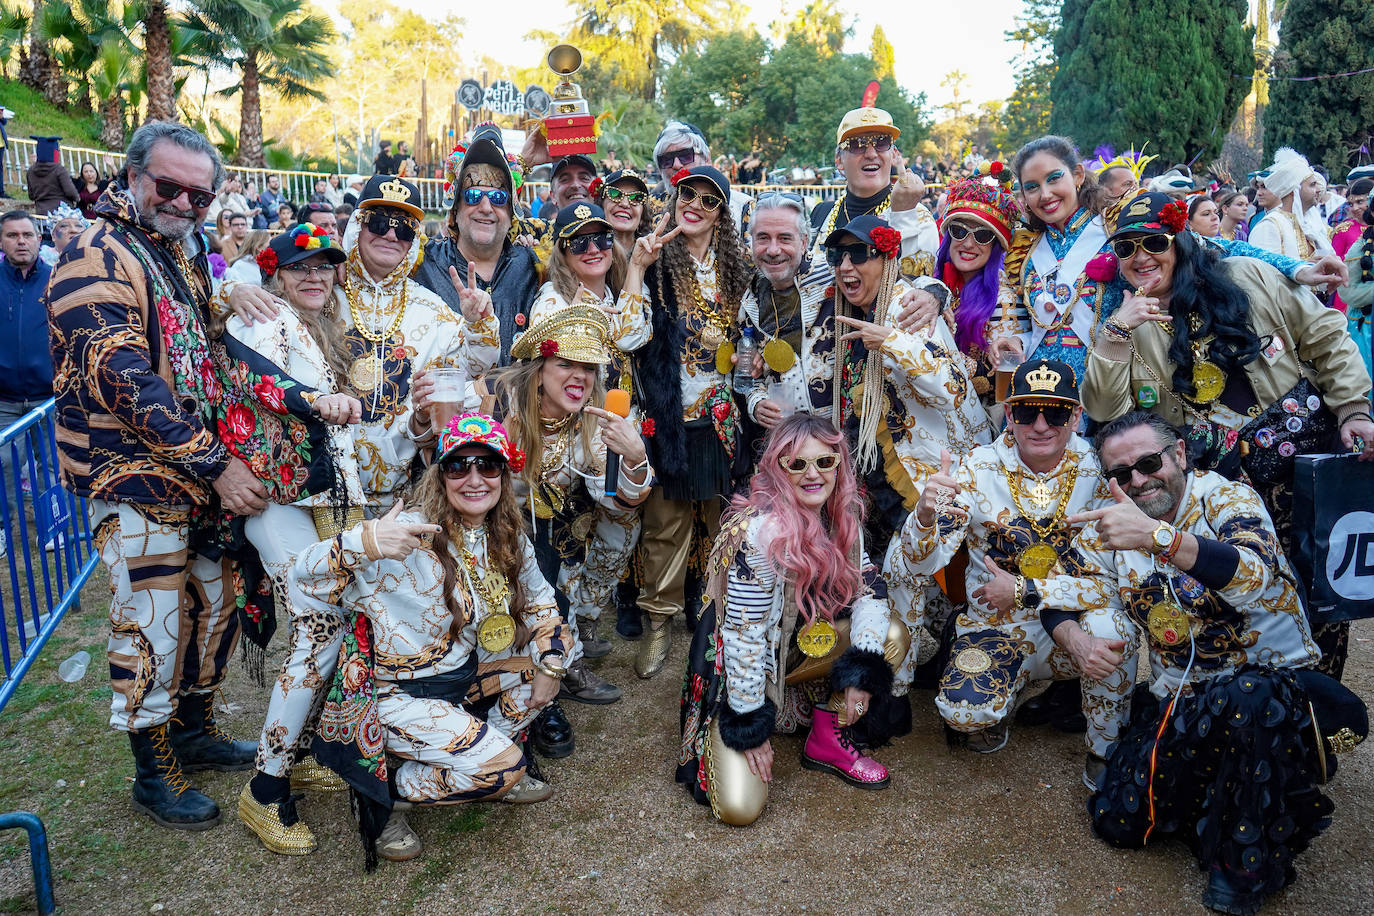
584 686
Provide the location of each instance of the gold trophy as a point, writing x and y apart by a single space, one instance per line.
569 126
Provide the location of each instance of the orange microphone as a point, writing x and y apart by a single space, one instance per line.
618 403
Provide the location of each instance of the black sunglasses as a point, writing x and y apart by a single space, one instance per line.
168 189
686 193
458 468
881 143
379 222
858 254
1054 414
1147 466
674 156
1126 248
634 197
579 244
959 232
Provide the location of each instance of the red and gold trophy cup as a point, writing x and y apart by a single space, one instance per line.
569 126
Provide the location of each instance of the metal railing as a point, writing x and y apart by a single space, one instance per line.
297 186
48 558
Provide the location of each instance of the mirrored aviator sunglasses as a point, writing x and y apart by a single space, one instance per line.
380 222
579 244
1055 414
473 196
488 467
1157 243
798 466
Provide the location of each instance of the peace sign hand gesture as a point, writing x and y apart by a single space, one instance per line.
473 301
647 249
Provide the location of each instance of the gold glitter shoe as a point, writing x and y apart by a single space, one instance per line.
265 821
313 775
653 648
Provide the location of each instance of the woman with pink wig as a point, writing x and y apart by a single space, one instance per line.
796 626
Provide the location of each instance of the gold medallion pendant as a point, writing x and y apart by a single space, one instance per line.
365 373
779 355
818 639
712 334
496 632
1169 624
1208 381
727 350
1036 561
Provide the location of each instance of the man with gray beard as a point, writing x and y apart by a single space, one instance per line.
135 387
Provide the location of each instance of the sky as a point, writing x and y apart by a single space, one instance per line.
930 39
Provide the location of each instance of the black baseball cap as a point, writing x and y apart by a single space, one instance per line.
1044 380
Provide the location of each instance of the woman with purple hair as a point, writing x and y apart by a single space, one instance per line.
975 233
796 627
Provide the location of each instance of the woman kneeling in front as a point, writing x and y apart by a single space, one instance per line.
799 618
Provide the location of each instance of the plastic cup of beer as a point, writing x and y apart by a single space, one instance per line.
777 393
1006 368
450 387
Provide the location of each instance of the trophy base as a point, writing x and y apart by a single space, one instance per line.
569 134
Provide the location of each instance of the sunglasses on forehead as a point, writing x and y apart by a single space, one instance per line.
1125 249
858 254
634 197
579 244
1148 465
473 196
959 232
458 468
168 189
880 142
380 222
677 156
1054 414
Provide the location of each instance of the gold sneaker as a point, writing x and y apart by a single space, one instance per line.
654 646
313 775
265 821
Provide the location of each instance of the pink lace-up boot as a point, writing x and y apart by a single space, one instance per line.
829 750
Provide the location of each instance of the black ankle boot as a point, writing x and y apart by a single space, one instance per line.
198 741
160 788
552 733
629 620
692 588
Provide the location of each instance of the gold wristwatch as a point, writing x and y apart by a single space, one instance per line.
1162 537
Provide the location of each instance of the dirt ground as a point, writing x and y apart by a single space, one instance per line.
955 833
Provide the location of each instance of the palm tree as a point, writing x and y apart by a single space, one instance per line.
109 78
90 40
14 27
38 70
157 49
275 43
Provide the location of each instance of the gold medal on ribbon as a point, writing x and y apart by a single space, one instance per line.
496 632
365 373
1169 624
818 639
723 364
779 355
1208 382
1036 561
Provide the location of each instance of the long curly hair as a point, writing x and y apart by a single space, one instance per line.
1201 288
732 265
519 393
977 299
1090 195
814 550
505 546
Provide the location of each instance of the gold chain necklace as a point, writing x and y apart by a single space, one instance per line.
367 372
1208 379
1036 561
549 498
843 204
496 632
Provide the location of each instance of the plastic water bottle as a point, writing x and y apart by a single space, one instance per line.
744 362
74 668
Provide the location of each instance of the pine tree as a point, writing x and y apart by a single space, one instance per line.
1327 119
1027 112
1156 70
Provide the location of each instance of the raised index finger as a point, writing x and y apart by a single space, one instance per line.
472 277
1092 515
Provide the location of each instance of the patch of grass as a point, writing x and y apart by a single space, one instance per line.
33 116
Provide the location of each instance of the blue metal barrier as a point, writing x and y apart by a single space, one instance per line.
49 558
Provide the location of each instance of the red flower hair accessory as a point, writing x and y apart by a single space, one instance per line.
548 348
681 174
595 187
267 260
888 241
1174 216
